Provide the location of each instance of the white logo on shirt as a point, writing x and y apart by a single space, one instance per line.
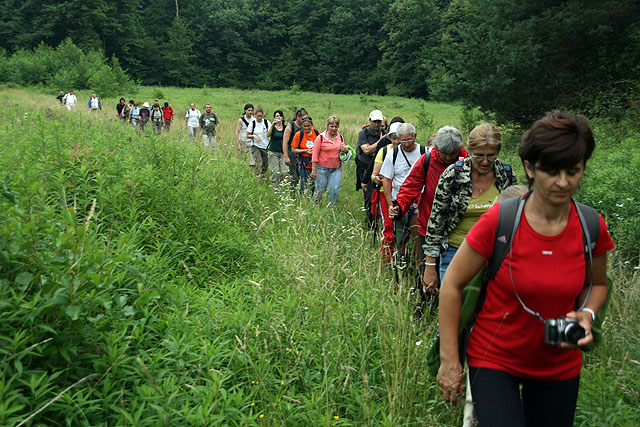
547 252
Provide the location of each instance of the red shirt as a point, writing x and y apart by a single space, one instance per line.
412 187
167 113
549 274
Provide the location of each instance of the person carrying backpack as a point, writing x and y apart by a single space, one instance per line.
421 184
394 171
524 351
465 190
326 166
156 117
290 159
302 146
167 116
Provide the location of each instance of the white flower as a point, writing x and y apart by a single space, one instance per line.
419 342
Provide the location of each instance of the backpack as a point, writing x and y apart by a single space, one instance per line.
474 293
154 113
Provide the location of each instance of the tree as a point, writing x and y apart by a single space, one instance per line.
521 59
177 54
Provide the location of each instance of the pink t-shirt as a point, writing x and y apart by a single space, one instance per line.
549 274
327 152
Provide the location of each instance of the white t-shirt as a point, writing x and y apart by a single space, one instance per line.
399 172
70 99
194 117
95 103
260 129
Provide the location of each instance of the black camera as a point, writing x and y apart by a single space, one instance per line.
562 329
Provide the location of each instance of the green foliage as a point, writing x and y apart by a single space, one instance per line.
521 59
158 283
66 67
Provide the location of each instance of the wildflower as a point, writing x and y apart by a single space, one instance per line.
253 404
281 382
335 417
418 343
261 416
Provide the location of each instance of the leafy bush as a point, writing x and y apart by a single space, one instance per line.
65 67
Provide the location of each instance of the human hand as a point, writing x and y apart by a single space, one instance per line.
394 211
584 320
313 175
430 279
376 179
287 161
451 381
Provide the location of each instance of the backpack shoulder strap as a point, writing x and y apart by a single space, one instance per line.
590 222
395 153
508 170
427 160
246 123
458 169
422 149
384 151
507 225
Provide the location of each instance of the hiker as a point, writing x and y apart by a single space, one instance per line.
120 107
243 143
191 120
291 159
368 140
326 167
144 117
70 100
302 147
421 183
466 190
94 104
60 97
209 124
134 114
156 117
167 116
257 132
378 201
277 167
517 377
395 169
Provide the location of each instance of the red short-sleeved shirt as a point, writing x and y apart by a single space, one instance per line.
549 274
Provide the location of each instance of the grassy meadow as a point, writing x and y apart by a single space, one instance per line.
147 281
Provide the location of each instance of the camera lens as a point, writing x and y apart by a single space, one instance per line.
573 332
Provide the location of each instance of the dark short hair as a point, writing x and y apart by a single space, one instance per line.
300 110
131 101
166 104
247 106
396 119
122 99
278 111
559 140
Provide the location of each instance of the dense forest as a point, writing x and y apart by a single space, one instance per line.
511 58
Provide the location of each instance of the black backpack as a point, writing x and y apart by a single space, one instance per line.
474 293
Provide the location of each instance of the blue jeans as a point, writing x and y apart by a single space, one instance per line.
331 177
445 260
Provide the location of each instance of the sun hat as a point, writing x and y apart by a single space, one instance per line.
344 157
145 105
394 128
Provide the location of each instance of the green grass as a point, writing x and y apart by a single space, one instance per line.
191 294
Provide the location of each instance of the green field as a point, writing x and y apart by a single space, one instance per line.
147 281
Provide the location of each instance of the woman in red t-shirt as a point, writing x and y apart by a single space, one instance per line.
302 145
518 379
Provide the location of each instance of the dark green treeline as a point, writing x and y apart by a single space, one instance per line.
513 58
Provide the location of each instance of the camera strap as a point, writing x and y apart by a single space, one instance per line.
586 239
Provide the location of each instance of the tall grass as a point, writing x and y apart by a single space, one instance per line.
147 281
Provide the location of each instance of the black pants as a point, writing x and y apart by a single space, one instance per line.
368 192
499 401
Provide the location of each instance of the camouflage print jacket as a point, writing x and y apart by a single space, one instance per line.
450 205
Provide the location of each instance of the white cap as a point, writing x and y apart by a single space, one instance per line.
394 128
376 115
